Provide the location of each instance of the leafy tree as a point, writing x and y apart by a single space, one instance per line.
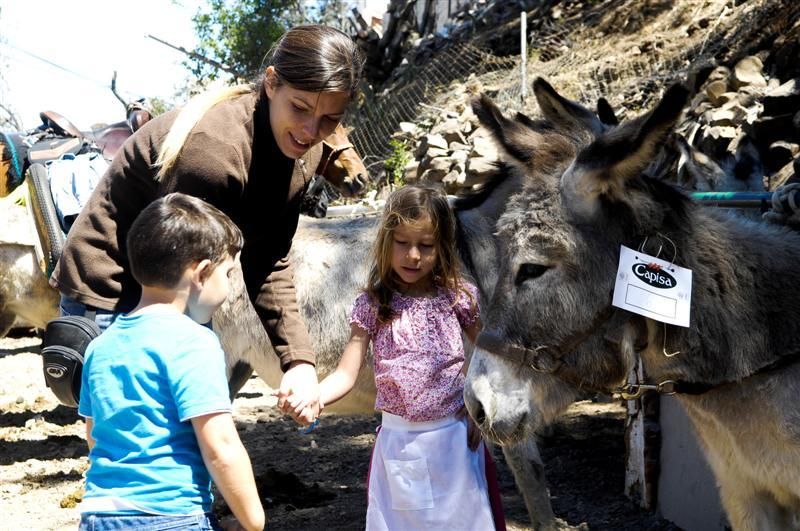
330 12
158 106
239 33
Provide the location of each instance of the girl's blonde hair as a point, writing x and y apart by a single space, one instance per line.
407 206
312 58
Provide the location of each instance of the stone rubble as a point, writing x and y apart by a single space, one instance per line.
740 132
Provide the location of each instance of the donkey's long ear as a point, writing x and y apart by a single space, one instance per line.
630 149
512 135
608 163
563 113
606 113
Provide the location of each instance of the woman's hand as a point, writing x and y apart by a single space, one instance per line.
300 382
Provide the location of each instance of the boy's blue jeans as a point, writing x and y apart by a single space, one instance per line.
147 522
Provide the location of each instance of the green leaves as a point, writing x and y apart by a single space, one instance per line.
238 34
396 163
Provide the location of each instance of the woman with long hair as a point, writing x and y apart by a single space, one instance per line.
249 150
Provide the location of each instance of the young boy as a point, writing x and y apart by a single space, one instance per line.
154 391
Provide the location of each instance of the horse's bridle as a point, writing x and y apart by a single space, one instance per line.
546 359
335 152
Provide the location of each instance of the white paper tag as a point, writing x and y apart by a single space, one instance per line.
663 294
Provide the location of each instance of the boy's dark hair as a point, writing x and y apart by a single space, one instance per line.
175 231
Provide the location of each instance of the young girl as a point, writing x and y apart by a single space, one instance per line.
423 473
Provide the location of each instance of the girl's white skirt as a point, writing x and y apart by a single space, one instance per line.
424 476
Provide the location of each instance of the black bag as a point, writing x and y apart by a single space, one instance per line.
315 199
65 341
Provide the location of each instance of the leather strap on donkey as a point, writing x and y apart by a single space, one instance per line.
544 358
634 389
45 217
548 359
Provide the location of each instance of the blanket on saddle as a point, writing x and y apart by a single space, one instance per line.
72 179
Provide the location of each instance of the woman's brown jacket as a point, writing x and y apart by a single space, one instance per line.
231 160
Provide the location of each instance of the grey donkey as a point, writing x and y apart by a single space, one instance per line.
26 299
550 329
330 259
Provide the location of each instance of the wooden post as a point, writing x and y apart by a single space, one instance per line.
643 444
523 44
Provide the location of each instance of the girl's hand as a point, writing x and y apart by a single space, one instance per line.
300 409
474 435
307 416
300 384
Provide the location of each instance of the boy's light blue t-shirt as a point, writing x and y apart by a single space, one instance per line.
143 379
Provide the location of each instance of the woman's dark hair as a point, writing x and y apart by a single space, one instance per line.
312 58
317 58
174 232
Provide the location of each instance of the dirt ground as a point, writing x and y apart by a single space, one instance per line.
306 481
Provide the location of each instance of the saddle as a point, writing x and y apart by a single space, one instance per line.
59 124
49 148
107 139
58 140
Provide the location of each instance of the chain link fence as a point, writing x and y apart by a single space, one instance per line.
627 51
377 120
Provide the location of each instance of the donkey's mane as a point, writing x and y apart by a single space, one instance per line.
675 202
673 197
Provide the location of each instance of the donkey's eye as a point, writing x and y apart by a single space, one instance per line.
529 271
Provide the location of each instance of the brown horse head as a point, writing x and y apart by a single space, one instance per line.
341 165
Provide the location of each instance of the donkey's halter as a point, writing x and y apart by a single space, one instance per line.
335 151
634 389
546 359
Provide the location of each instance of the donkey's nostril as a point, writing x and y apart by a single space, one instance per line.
480 415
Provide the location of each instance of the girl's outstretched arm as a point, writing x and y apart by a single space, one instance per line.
341 381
